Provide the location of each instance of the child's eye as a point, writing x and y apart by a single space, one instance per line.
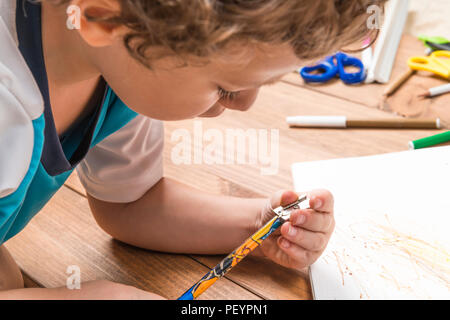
227 95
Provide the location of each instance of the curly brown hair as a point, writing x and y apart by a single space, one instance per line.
201 28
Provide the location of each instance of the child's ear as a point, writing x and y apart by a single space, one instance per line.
93 27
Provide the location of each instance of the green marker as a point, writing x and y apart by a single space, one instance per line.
430 141
438 40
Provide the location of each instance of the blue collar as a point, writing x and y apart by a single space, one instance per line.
56 159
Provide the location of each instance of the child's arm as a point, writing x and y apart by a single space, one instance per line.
11 286
93 290
172 217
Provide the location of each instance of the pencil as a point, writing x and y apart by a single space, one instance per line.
343 122
436 91
392 88
282 214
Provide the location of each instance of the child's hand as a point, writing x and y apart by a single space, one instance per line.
301 240
106 290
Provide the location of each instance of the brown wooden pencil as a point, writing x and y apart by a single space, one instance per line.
395 123
343 122
392 88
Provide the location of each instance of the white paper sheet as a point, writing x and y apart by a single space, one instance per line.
392 235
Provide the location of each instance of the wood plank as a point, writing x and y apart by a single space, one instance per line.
65 234
366 94
296 145
404 102
266 278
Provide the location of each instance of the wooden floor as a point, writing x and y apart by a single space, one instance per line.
65 233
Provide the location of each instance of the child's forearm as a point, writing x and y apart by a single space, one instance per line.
92 290
38 294
172 217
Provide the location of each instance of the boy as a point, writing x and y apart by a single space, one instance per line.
94 97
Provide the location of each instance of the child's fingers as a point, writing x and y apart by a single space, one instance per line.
312 220
296 256
312 241
283 198
321 200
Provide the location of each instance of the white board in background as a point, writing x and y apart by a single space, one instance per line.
388 42
392 235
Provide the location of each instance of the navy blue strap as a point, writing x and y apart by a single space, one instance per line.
54 159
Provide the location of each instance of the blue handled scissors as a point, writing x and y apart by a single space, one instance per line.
332 66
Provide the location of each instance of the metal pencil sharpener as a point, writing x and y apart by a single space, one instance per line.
285 212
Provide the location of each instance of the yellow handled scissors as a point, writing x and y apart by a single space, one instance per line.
438 63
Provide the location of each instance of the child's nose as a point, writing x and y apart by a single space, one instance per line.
242 102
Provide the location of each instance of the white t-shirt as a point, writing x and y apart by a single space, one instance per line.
125 165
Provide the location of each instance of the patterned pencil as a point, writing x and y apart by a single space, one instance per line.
282 214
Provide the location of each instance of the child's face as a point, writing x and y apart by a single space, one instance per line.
174 93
